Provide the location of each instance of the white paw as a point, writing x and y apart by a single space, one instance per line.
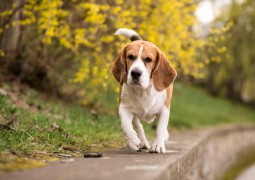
158 146
145 144
133 143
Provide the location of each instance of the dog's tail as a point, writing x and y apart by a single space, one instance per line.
131 34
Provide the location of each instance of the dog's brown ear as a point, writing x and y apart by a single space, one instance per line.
163 74
119 67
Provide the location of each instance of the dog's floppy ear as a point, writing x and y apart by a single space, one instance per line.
163 74
119 67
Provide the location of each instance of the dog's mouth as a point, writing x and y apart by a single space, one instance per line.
135 83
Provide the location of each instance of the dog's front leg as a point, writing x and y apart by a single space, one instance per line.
140 132
158 145
126 118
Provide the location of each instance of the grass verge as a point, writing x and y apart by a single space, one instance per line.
32 127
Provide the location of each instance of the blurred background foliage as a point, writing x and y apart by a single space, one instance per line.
66 48
234 76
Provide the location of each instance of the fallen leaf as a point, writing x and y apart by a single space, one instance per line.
3 92
66 160
68 149
57 116
20 163
54 126
64 155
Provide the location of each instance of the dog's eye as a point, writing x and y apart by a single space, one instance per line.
148 59
131 57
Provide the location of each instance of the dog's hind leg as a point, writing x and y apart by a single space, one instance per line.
140 132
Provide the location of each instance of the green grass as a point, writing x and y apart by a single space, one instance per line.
77 130
25 132
193 107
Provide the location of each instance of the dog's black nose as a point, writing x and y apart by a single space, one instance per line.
136 73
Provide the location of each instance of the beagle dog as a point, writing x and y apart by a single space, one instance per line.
146 85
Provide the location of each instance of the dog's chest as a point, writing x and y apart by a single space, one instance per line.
144 103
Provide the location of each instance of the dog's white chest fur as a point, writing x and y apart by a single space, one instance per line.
144 103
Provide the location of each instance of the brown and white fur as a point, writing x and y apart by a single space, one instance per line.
146 85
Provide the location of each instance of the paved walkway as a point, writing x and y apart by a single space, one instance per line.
190 155
119 164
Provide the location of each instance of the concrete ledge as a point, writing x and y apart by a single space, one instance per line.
217 152
205 154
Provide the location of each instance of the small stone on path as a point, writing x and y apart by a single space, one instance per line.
93 155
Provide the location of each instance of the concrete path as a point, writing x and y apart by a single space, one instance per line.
183 160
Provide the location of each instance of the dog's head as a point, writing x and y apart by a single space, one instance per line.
141 63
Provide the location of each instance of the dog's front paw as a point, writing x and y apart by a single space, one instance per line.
145 144
158 146
133 143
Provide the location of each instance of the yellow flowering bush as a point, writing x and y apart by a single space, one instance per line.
86 29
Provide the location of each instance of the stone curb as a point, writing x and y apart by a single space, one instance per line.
216 153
